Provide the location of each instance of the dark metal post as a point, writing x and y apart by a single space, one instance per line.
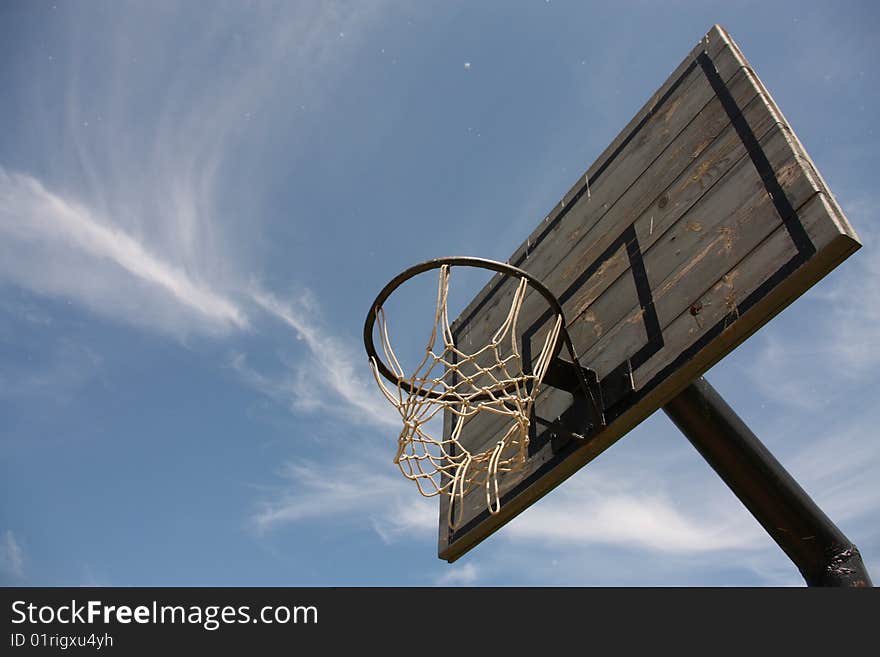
818 548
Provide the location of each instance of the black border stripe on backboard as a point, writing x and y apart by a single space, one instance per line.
795 228
759 159
629 239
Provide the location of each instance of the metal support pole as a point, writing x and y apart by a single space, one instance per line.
817 547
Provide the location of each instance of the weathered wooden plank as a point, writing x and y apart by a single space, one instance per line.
836 212
702 188
723 298
734 217
796 182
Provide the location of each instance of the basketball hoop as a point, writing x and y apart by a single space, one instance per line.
493 378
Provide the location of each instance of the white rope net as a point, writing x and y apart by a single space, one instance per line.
490 380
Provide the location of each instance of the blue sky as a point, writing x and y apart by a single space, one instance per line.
199 201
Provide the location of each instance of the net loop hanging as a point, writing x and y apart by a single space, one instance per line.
465 385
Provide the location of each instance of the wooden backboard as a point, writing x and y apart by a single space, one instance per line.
701 221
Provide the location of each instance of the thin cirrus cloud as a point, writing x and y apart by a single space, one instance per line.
64 366
593 510
11 556
333 366
315 492
134 210
602 508
137 214
841 464
838 323
464 575
57 247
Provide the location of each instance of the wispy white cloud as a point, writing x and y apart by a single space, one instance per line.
465 574
621 565
11 555
290 388
590 510
840 463
90 577
66 366
320 492
141 207
407 517
836 327
146 215
55 246
334 383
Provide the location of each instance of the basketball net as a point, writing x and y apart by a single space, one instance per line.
490 380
